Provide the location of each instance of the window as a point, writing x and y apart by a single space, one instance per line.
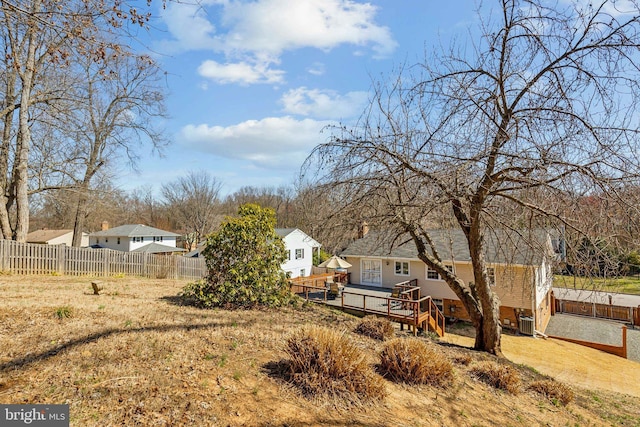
302 272
106 240
402 268
299 253
118 240
432 274
138 239
491 276
157 238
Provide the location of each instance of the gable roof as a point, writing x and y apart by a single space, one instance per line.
133 230
157 248
284 232
46 235
529 247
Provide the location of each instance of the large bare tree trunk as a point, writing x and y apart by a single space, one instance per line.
21 178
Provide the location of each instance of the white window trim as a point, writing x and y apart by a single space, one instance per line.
491 276
379 261
439 279
430 270
395 270
301 253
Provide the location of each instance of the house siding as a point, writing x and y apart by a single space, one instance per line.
127 244
299 240
522 290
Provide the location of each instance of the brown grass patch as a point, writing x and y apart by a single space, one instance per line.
378 328
326 363
497 375
556 392
134 356
412 361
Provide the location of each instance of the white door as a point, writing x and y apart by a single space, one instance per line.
371 272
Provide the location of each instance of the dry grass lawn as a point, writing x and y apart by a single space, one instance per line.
134 356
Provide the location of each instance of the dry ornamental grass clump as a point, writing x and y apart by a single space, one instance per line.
375 327
502 377
557 392
327 363
414 362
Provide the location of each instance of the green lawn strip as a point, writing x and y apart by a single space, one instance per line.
624 285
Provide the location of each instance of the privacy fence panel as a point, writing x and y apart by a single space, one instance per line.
30 258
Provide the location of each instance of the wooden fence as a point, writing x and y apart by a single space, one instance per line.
30 258
605 311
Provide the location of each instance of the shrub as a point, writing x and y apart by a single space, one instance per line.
414 362
557 392
244 258
502 377
326 363
375 327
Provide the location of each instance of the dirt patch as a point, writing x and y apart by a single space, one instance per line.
135 356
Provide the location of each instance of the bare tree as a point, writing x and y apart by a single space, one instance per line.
122 98
194 200
543 97
39 39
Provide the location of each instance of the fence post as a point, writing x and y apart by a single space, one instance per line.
105 262
3 252
145 265
624 341
61 252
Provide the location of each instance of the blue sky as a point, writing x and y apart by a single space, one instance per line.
252 83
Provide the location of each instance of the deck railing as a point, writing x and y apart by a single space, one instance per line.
409 308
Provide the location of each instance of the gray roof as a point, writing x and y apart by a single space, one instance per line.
282 232
133 230
502 247
157 248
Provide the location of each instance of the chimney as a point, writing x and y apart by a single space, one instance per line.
105 225
364 229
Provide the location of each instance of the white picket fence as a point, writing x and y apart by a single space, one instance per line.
30 258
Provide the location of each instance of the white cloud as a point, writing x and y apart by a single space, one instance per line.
323 103
254 34
274 26
272 143
241 73
316 69
190 27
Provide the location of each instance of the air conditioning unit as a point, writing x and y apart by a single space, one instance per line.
526 326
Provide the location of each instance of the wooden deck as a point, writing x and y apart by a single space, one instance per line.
409 308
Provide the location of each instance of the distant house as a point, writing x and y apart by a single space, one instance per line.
521 271
135 238
55 237
300 249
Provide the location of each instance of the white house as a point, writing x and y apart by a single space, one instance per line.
135 238
300 249
55 237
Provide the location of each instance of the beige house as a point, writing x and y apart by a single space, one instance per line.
55 237
520 270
